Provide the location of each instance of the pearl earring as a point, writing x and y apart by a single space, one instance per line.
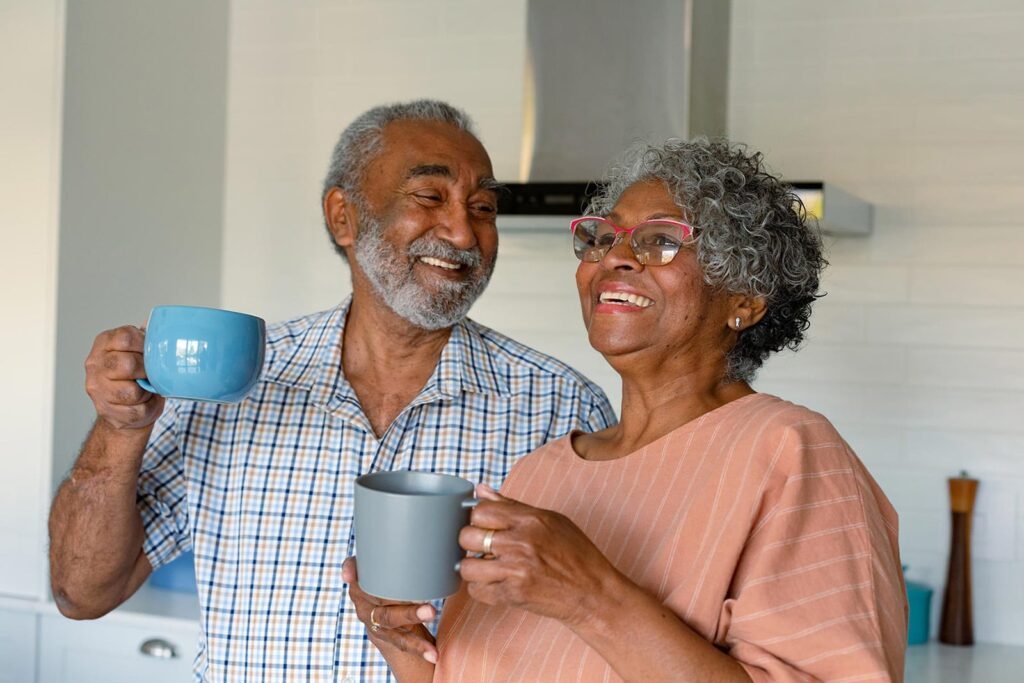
739 322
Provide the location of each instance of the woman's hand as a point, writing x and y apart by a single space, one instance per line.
391 625
539 561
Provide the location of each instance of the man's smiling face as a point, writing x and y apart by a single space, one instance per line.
427 239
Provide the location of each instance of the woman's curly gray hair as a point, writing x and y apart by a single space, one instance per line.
753 235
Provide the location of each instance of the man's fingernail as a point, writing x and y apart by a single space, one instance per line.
458 566
425 612
430 657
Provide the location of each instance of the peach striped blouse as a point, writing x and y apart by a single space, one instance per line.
755 523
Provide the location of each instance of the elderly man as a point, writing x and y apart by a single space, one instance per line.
395 377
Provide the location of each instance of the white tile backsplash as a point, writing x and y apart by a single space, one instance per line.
977 327
989 369
995 521
861 283
974 286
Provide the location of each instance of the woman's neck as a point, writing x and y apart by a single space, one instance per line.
656 401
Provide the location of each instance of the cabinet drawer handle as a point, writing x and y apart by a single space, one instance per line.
159 648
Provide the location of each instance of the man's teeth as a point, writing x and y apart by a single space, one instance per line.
624 298
439 263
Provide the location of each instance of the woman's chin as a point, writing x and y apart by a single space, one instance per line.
610 345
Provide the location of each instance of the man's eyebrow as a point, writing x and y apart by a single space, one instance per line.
430 170
442 171
489 183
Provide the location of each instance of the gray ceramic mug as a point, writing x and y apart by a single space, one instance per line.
407 533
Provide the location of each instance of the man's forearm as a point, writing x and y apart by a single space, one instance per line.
95 529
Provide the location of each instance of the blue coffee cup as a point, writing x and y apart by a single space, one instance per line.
203 354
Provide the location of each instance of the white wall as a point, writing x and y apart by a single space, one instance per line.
142 178
31 61
917 352
298 74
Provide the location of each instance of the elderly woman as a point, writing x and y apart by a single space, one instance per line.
715 533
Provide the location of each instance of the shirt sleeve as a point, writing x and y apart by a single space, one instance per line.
818 591
161 493
599 413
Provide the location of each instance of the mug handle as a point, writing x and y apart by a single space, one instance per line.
147 386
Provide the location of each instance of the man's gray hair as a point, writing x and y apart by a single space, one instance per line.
753 234
361 142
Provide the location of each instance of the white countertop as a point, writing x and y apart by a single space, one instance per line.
980 663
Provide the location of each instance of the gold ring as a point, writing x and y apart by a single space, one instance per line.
374 626
488 540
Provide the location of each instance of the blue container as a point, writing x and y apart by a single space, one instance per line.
202 354
919 599
177 575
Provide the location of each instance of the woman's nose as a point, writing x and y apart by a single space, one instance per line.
621 254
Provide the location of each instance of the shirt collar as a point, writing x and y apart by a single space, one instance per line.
313 363
467 366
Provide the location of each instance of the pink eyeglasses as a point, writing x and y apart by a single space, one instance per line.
654 243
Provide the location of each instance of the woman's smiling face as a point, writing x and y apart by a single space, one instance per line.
672 309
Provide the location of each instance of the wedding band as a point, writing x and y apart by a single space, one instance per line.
488 539
374 626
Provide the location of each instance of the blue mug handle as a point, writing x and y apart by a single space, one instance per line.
147 386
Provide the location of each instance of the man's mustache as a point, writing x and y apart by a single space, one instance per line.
439 249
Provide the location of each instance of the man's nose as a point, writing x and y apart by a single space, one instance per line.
456 227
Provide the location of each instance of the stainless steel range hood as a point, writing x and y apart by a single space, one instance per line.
602 74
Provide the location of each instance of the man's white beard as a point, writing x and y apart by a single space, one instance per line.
391 275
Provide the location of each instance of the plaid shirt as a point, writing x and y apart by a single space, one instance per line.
262 490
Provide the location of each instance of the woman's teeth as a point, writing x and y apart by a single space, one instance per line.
623 298
439 263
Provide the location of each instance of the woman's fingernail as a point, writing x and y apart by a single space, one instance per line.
458 566
430 657
425 612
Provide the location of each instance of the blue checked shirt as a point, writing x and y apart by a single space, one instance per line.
262 490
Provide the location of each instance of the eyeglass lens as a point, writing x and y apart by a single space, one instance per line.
654 244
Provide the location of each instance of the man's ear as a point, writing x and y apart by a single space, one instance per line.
339 214
748 310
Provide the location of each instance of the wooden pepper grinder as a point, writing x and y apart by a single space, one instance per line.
957 626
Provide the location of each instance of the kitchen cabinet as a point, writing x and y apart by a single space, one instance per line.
17 646
115 649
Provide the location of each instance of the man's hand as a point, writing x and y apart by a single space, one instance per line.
111 369
391 624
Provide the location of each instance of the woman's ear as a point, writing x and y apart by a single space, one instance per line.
339 217
747 311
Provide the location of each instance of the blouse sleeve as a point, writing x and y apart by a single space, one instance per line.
818 592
